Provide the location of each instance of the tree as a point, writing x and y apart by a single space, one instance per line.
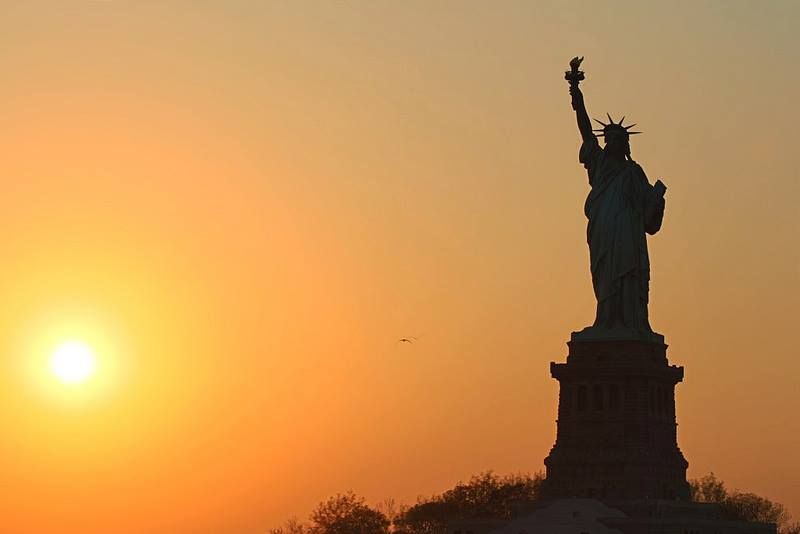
742 506
392 510
751 507
485 496
347 514
707 489
425 518
292 526
488 496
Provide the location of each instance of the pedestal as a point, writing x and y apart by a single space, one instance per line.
617 434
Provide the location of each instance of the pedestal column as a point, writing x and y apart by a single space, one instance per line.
616 435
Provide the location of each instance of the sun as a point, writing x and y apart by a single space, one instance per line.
73 362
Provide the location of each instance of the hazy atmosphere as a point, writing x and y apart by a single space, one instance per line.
243 205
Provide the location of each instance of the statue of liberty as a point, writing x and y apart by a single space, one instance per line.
622 207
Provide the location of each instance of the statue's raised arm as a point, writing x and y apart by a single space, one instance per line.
574 76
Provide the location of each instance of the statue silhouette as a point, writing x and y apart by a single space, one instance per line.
621 207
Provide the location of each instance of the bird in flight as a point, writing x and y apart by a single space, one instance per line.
410 339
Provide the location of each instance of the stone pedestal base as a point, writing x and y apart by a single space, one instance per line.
590 516
616 436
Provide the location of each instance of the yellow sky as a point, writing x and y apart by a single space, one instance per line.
242 205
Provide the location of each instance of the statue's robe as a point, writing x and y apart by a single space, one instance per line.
621 207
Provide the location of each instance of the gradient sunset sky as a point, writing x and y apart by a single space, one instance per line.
242 205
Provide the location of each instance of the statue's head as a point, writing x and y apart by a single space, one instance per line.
616 136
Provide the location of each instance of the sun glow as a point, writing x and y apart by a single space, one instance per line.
73 362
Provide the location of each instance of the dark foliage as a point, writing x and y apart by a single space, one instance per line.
347 514
488 496
485 496
742 506
292 526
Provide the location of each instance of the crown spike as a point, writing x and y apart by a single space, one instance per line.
609 118
622 120
629 126
601 123
633 133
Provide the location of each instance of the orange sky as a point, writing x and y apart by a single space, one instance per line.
242 205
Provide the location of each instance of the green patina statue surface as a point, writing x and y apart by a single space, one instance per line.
622 207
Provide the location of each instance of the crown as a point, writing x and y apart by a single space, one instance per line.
614 127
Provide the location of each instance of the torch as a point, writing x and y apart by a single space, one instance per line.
574 76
